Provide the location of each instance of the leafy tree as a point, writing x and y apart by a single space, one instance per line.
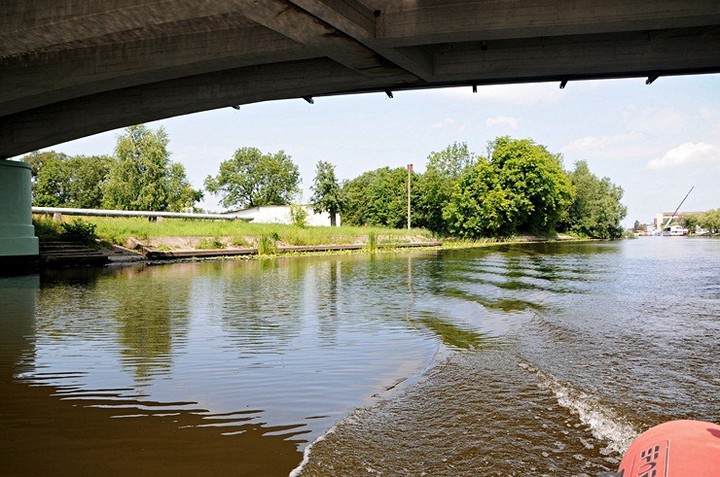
143 177
709 220
377 197
535 177
354 191
251 179
181 194
691 221
478 206
298 215
68 181
88 175
39 159
327 194
435 186
137 179
521 188
51 180
452 161
639 226
596 210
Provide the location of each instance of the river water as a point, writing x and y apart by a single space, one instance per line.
537 359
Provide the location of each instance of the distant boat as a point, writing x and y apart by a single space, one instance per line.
674 231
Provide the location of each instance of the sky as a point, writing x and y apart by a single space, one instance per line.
655 141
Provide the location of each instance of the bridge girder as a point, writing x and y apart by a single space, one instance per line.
71 68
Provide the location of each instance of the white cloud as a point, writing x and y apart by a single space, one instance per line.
654 120
710 118
464 127
615 146
502 121
444 123
709 114
452 125
688 153
518 94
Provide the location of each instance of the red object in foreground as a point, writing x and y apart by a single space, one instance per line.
674 449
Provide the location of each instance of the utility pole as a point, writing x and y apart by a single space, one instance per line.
409 171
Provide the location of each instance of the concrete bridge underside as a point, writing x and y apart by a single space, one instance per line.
71 68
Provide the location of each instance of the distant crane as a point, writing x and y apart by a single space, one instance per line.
676 210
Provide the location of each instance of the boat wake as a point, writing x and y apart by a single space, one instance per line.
604 423
297 471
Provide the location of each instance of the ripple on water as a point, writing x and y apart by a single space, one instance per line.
551 355
476 414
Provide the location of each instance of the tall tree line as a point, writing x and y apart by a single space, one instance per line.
709 220
139 176
520 188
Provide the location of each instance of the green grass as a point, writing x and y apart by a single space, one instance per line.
75 230
266 246
46 229
372 241
211 243
118 229
221 234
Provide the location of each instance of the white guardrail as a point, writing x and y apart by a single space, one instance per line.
134 213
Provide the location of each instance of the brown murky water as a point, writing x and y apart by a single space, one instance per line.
519 360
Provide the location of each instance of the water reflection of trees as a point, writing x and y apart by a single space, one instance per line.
150 307
146 307
452 335
18 296
482 277
515 278
506 305
261 304
325 277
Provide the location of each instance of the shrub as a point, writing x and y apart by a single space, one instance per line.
46 228
210 244
298 215
79 231
266 246
239 241
372 241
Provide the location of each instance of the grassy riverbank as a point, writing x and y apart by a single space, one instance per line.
179 234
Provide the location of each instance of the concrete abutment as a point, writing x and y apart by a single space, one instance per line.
18 244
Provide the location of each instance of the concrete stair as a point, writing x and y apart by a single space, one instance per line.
70 254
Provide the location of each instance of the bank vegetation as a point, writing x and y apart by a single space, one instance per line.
519 188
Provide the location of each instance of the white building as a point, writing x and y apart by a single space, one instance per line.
661 218
280 214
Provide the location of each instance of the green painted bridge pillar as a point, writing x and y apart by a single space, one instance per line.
18 243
